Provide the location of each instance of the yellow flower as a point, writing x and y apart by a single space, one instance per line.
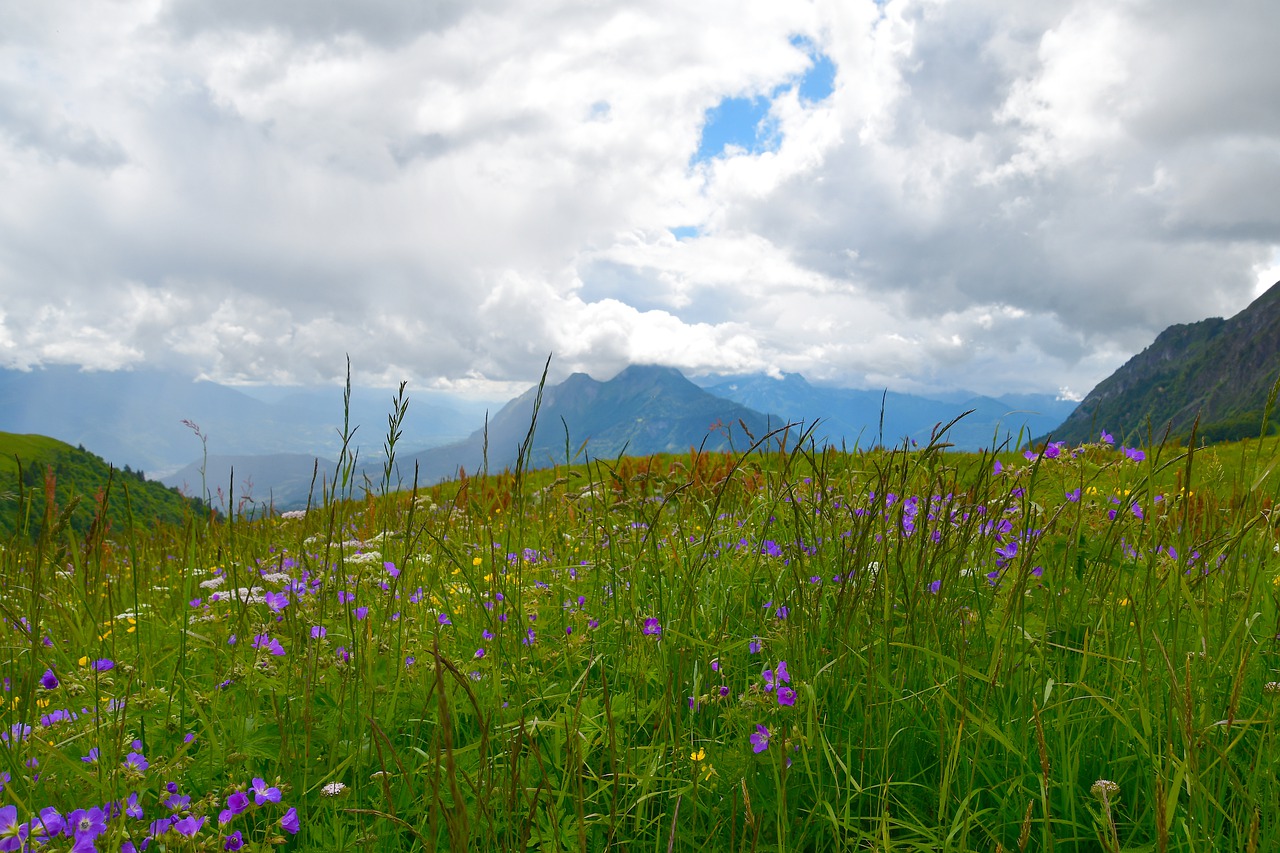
84 661
698 754
475 561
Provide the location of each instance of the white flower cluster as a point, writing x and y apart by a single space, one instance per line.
365 558
212 583
294 513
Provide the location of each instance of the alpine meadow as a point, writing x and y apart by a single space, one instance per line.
779 647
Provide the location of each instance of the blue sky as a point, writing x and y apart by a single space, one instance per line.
993 195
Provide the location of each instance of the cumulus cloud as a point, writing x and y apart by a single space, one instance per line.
982 193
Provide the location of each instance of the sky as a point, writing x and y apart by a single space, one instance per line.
922 195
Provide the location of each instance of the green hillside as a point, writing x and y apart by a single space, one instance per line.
29 464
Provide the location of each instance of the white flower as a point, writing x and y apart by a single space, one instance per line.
212 583
333 789
294 513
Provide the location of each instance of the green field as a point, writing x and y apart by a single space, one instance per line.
782 650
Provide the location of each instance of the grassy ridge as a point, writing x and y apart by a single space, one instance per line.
32 465
783 650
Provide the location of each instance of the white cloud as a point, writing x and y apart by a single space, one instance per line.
996 194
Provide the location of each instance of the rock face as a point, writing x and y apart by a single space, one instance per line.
1219 370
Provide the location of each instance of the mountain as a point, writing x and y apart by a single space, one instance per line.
644 409
1221 370
280 480
135 417
854 417
26 460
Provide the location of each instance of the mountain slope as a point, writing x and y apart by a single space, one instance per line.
644 409
25 462
1221 370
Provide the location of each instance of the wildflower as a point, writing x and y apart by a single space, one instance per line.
92 757
266 641
1107 438
652 627
104 665
136 762
318 632
264 794
935 586
698 755
332 789
782 611
755 646
234 841
48 681
360 613
759 739
786 696
236 804
289 823
443 619
1074 496
530 637
189 825
1271 688
480 653
13 833
132 808
1104 789
86 825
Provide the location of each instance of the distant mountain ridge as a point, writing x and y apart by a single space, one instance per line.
1220 370
863 418
645 409
135 417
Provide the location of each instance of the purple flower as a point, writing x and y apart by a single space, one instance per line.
263 794
1107 438
443 619
104 664
137 762
935 586
92 757
345 597
318 632
132 809
652 627
277 601
360 613
234 841
391 569
530 637
266 641
782 611
786 696
48 681
1133 453
236 804
13 834
189 825
755 645
289 823
783 675
759 739
86 825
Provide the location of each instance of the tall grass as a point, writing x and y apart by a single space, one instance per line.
788 649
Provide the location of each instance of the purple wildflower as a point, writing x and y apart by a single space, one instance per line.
289 823
48 681
652 627
759 739
264 794
786 696
189 825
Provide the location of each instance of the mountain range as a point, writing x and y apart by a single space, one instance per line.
282 446
1217 371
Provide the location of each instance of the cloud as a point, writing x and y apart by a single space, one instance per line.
988 194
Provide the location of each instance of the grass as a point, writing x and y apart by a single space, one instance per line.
593 657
